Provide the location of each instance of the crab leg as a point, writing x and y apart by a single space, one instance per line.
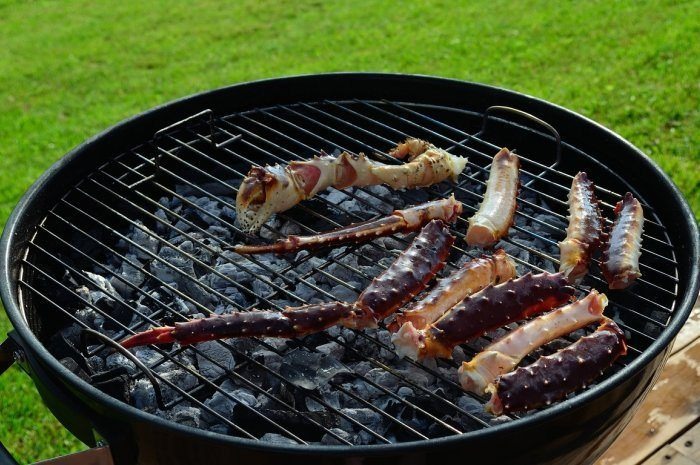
488 309
272 189
504 355
405 277
621 258
448 292
495 214
410 273
585 231
554 376
290 322
400 221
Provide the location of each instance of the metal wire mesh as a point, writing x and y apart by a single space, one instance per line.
211 154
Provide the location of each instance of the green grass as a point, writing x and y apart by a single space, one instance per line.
70 69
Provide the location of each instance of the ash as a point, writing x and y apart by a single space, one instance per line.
327 388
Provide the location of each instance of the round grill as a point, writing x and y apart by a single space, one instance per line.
142 192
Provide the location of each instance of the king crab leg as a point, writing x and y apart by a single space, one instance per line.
621 258
585 231
554 376
449 291
504 355
273 189
405 278
496 212
488 309
400 221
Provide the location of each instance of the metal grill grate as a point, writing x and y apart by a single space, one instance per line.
210 155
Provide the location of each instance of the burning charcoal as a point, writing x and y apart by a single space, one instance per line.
173 257
364 416
162 227
364 438
95 363
210 206
142 395
102 284
404 392
131 276
348 334
305 264
418 376
224 402
335 196
334 331
458 355
332 441
469 404
144 238
304 290
116 360
244 396
361 390
333 349
343 293
184 414
384 337
383 378
148 356
235 295
228 214
214 360
277 438
387 404
219 232
332 398
181 379
270 359
277 344
261 288
391 243
220 403
308 370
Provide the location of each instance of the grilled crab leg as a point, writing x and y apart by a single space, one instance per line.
273 189
495 214
449 291
488 309
554 376
504 355
400 221
405 277
585 231
621 257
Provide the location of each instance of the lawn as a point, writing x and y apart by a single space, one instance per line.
70 69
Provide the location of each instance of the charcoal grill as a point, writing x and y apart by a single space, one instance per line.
78 212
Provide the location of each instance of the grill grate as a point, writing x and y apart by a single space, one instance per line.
209 156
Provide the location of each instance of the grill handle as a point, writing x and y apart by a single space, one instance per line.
9 351
527 116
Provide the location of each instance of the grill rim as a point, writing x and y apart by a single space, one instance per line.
132 128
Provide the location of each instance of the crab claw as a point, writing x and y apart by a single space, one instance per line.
252 190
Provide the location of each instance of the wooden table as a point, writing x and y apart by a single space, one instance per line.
666 429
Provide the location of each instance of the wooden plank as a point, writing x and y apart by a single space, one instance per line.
690 331
688 444
668 456
671 407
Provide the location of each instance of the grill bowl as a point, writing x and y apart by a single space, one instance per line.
575 431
